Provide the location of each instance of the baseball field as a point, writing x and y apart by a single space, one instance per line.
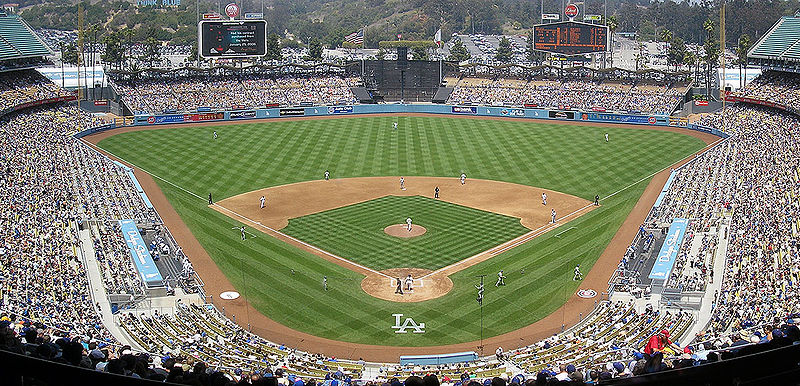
336 229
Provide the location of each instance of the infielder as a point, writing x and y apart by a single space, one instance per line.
409 282
596 200
402 183
399 289
215 134
436 192
242 229
544 198
210 202
463 178
263 201
325 282
408 223
553 216
327 175
606 137
578 274
500 279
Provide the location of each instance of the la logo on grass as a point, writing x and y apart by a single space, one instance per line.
408 323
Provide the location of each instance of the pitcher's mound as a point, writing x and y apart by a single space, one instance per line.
401 230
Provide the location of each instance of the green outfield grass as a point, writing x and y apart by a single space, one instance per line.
571 159
454 232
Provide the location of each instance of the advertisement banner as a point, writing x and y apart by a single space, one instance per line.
140 255
292 112
678 121
172 118
248 114
464 110
624 118
203 117
561 114
669 251
551 16
340 110
45 102
513 112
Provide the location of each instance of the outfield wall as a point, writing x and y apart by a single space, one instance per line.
479 111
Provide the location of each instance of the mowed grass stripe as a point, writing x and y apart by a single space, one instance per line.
571 159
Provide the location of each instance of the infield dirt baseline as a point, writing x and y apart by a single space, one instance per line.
305 198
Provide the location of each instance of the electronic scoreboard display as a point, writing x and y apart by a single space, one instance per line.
570 38
232 39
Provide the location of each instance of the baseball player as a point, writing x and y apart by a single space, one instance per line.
402 183
210 202
409 282
263 200
544 198
553 216
399 289
242 229
325 282
436 192
408 223
394 125
327 175
215 134
479 287
500 279
578 274
596 200
606 137
463 178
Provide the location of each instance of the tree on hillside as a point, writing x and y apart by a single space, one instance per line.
69 53
419 53
458 52
676 52
504 52
152 52
315 50
273 48
114 52
612 24
712 53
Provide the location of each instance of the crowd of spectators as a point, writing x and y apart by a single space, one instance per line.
584 95
228 92
782 88
19 87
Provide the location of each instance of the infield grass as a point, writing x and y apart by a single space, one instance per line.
567 158
454 232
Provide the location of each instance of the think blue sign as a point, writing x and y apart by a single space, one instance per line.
140 255
669 251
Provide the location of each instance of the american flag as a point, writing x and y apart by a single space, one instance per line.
355 37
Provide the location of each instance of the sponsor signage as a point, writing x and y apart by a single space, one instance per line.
678 121
551 16
269 105
625 118
248 114
172 118
587 293
103 102
211 16
530 105
45 102
561 114
513 112
340 109
598 109
232 10
700 103
203 117
253 16
140 254
292 112
464 110
592 18
204 109
571 11
669 251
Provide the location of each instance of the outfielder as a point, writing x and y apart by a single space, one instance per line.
263 201
544 198
402 183
215 134
325 282
553 216
242 229
409 282
606 137
463 178
578 274
500 279
394 125
327 175
408 223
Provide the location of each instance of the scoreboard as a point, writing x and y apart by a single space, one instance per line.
232 39
570 38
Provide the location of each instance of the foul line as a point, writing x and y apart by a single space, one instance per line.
564 231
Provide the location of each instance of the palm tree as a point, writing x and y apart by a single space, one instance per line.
612 25
711 52
741 52
666 37
690 60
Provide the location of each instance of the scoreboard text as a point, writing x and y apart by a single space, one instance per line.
570 38
230 39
